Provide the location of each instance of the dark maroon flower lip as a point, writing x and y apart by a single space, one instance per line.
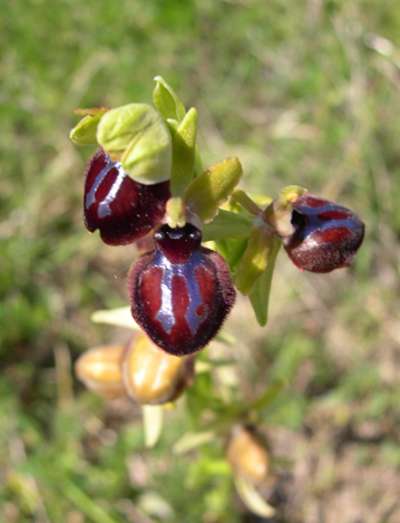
181 292
179 243
326 235
120 208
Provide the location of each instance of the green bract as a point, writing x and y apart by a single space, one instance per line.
84 132
167 101
259 294
227 225
137 136
254 260
232 249
209 190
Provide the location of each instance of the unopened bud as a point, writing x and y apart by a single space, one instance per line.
100 370
248 455
151 376
326 235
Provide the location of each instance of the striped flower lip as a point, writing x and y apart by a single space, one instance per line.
326 235
181 292
120 208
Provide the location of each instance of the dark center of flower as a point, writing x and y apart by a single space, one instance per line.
177 244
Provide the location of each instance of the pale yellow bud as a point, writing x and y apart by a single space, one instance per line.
248 456
100 370
151 376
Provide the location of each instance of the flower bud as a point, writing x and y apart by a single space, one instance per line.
153 377
100 370
326 236
123 210
247 455
181 292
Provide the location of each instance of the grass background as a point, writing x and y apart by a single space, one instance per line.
303 92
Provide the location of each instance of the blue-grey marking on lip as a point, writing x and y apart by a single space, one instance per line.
194 320
321 226
91 195
104 206
186 270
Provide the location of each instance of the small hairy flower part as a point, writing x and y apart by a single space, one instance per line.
181 292
123 210
326 235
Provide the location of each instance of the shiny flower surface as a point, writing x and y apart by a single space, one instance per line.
180 292
326 235
122 209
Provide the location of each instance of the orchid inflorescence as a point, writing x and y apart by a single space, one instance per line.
145 183
146 179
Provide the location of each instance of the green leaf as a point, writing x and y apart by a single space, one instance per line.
84 132
255 258
167 101
208 191
259 294
227 225
137 136
183 151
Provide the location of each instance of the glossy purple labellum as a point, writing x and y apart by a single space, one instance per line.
180 292
122 209
326 235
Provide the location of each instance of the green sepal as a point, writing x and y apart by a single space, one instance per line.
183 151
289 194
259 294
167 101
262 200
240 200
227 225
255 258
208 191
137 136
84 132
198 164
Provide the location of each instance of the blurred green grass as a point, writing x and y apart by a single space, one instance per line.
303 92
